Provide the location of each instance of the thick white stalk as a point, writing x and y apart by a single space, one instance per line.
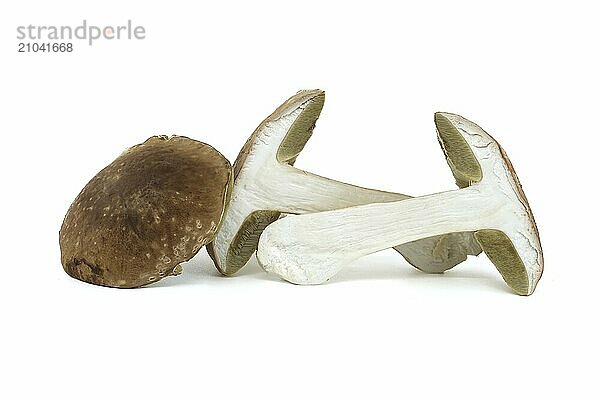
311 248
294 191
375 227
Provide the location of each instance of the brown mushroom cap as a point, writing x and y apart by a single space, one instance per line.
148 211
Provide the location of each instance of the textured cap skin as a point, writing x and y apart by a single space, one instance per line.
148 211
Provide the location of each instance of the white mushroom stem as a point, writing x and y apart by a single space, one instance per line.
311 248
358 231
293 191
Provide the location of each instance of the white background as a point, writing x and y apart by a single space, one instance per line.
527 73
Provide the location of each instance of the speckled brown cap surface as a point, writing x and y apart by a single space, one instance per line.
148 211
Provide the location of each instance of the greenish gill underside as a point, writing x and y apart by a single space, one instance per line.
245 242
460 157
300 131
502 253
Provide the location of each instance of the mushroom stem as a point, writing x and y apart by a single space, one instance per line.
311 248
358 231
304 192
420 217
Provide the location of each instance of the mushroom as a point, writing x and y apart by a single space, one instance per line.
267 184
310 249
147 212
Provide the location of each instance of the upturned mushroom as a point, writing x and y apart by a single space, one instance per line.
267 184
311 248
147 212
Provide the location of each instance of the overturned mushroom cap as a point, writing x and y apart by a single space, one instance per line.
278 139
515 250
148 211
